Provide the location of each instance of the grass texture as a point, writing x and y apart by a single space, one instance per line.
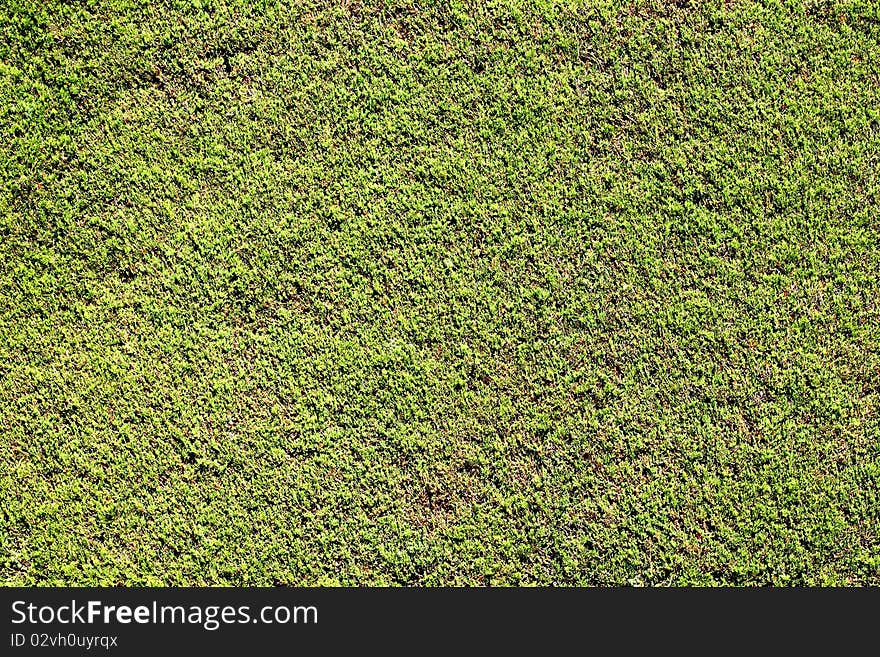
420 293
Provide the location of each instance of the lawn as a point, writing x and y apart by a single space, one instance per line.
423 293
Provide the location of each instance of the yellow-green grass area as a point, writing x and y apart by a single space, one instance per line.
423 293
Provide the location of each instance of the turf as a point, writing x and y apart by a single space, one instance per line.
439 292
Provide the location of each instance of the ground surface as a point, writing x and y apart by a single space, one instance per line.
421 293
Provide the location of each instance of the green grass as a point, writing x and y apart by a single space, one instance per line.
439 292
